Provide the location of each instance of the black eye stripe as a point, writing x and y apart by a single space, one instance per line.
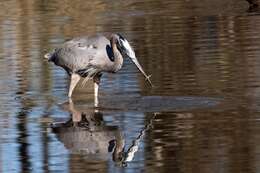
121 37
120 48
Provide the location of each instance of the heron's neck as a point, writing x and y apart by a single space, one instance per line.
118 61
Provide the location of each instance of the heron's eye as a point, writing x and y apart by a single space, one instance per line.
121 37
119 42
122 44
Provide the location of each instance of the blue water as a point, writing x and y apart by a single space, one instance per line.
202 115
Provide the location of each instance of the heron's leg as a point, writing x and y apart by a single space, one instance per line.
73 82
96 86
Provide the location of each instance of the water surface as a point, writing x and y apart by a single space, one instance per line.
202 116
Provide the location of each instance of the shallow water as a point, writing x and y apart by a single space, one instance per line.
202 115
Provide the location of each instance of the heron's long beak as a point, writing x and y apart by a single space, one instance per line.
131 54
134 59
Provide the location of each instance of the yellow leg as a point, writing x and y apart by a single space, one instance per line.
96 80
73 82
96 85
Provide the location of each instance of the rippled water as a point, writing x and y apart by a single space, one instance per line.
202 116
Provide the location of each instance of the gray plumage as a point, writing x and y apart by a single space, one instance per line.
89 56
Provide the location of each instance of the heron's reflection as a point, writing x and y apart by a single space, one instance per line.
86 133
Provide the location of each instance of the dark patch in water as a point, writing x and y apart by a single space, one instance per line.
159 103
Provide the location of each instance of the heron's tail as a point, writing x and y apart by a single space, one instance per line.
48 56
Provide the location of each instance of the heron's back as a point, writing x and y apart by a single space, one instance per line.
80 53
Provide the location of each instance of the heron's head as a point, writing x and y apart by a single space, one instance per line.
127 51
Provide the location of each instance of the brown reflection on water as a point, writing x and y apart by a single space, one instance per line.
89 139
206 49
220 141
220 61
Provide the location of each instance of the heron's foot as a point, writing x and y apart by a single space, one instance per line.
96 105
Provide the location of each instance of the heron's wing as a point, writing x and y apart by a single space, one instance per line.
83 54
79 53
96 48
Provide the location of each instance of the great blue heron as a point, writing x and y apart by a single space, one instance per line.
89 56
